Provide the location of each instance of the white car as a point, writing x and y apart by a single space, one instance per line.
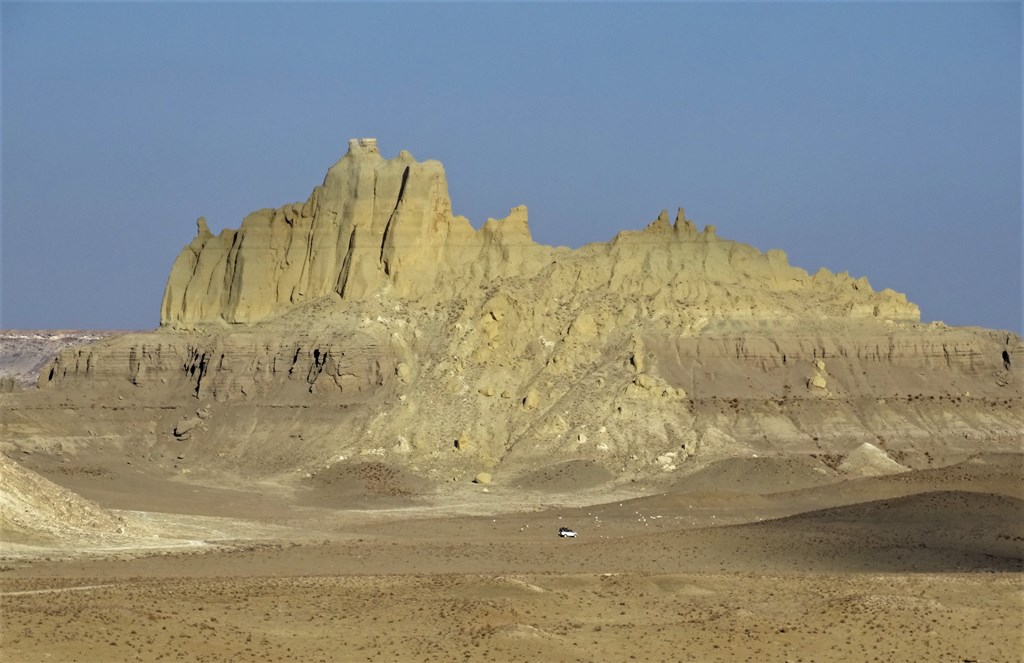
566 533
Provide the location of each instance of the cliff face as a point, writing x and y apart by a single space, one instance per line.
372 222
385 227
370 321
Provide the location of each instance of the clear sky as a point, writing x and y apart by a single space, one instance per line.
883 139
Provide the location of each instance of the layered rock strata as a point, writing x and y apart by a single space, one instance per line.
370 321
378 227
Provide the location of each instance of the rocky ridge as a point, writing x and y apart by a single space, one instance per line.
384 228
371 323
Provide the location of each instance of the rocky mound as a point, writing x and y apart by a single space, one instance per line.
34 510
369 321
869 460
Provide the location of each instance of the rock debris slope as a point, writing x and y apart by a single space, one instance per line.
34 510
369 322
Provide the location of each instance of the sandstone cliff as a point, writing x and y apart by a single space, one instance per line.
369 322
379 227
374 226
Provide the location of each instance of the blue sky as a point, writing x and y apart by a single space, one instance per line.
883 139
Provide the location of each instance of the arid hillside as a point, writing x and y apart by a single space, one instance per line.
362 423
369 323
25 352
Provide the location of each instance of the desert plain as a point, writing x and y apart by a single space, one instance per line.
924 565
361 423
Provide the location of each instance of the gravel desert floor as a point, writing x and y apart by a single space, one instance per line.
919 566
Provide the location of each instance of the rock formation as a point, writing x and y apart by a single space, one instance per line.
24 352
34 510
369 322
379 227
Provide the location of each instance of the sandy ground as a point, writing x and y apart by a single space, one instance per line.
369 564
